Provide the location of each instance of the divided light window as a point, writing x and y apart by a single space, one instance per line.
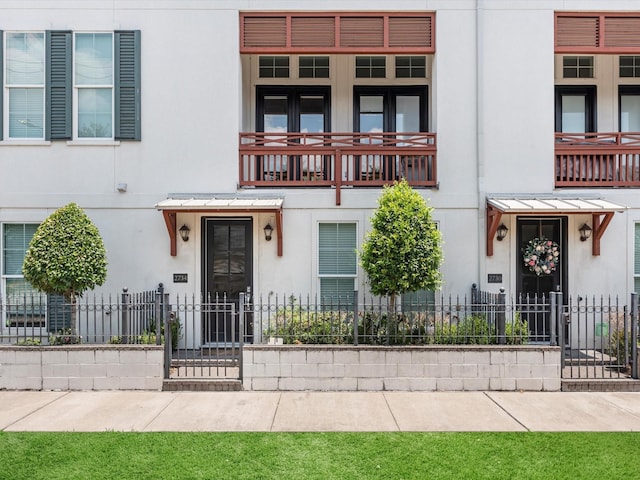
577 67
371 67
93 78
61 85
24 83
273 67
337 262
25 305
313 67
411 67
630 66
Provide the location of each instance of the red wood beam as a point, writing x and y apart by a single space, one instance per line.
493 221
599 226
279 230
170 221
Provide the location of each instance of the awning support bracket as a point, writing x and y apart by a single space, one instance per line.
600 223
493 221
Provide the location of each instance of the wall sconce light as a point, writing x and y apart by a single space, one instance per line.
268 230
501 232
184 233
585 232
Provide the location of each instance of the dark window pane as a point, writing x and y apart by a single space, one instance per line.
570 73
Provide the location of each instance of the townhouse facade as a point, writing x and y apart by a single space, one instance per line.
230 146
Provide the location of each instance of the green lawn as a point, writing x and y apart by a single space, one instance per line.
319 455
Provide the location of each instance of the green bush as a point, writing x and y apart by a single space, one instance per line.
385 329
297 325
302 326
64 337
29 342
66 254
473 330
517 332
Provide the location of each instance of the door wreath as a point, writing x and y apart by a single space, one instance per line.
541 255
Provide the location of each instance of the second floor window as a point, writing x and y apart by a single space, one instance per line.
629 66
93 79
57 85
24 82
577 67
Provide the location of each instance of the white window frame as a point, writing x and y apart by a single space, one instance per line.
321 276
9 87
3 285
77 88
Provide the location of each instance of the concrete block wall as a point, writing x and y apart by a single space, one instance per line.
82 367
419 368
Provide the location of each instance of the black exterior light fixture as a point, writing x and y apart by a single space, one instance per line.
268 230
501 232
585 232
184 233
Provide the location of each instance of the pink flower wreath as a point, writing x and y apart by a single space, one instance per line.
541 255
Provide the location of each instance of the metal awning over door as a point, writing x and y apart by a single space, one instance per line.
601 210
175 204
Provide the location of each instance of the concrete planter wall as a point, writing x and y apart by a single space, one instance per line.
82 367
421 368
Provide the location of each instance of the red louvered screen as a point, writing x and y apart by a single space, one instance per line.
313 32
622 32
605 32
330 32
362 32
414 31
577 32
265 32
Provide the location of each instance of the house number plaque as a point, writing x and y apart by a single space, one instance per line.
180 278
494 278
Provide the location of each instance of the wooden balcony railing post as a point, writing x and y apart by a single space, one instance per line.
338 175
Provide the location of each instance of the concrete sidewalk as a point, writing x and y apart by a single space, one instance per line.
318 411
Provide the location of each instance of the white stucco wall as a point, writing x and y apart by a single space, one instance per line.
491 102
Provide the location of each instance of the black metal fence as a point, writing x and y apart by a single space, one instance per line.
127 318
361 319
204 336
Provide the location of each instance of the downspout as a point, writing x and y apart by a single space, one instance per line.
482 257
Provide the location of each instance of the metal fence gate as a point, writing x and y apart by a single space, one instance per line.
600 337
207 335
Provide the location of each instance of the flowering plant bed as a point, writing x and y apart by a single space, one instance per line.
541 255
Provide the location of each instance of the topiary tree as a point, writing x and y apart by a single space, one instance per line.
66 255
402 253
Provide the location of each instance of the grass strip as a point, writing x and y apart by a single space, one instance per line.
108 455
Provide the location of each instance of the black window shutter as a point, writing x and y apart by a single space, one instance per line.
1 84
127 85
58 89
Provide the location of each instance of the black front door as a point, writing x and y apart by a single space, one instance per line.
227 272
533 289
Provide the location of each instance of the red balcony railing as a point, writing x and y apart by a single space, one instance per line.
337 159
597 159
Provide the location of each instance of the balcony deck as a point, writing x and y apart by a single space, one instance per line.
337 159
597 160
